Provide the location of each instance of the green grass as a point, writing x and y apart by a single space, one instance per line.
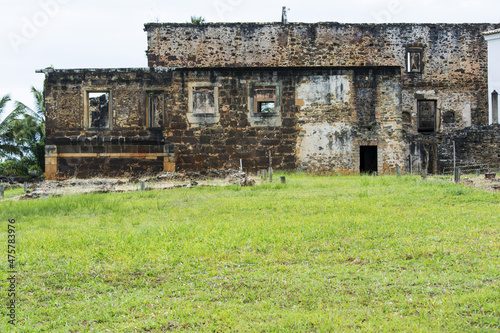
12 192
319 254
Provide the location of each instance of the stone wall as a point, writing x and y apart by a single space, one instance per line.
126 147
473 145
347 109
210 119
453 56
319 97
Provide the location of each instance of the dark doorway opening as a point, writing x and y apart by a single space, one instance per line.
368 159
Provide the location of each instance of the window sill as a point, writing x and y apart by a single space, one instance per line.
97 129
265 115
204 115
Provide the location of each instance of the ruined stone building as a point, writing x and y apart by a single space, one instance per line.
493 39
320 97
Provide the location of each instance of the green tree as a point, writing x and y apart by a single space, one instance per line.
29 129
8 146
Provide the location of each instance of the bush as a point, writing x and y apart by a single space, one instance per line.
19 168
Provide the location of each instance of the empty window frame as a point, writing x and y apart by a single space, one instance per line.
449 118
406 118
426 115
414 61
155 109
98 109
494 107
265 100
203 99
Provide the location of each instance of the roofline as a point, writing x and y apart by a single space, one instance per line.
114 70
209 24
227 68
491 32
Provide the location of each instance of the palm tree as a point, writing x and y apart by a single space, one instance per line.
39 112
8 146
29 131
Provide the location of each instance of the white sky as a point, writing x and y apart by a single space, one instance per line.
109 34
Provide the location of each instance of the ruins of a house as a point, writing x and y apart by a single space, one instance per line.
321 97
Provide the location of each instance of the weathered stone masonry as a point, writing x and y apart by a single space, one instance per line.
319 97
295 133
453 56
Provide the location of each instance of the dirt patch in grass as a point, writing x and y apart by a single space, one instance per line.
161 181
489 185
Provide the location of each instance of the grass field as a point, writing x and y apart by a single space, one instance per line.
319 254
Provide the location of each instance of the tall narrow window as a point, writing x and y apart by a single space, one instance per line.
494 107
98 112
155 109
426 116
414 61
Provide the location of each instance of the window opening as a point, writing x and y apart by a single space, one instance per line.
265 100
426 116
98 109
414 61
266 107
203 100
448 117
155 110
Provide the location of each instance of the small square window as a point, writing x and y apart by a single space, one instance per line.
266 107
98 109
203 100
265 100
264 104
449 118
203 104
414 61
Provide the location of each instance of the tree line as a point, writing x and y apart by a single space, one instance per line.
22 137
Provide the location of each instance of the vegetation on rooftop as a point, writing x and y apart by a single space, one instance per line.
197 20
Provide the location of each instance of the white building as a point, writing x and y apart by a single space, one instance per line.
493 39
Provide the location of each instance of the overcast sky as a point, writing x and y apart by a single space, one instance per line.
109 34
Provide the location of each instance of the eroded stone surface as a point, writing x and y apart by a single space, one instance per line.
339 89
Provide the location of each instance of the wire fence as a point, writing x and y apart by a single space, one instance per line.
467 168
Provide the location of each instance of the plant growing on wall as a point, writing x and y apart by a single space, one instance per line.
197 20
